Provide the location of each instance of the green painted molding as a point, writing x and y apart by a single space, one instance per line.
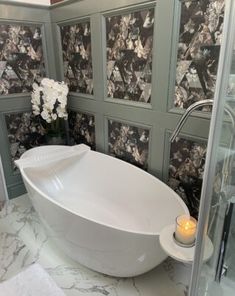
159 116
84 8
15 13
15 190
24 4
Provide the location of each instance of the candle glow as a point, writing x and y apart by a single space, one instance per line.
185 232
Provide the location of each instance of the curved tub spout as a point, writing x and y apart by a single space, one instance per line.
229 157
32 160
193 107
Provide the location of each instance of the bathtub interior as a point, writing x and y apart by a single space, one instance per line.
108 191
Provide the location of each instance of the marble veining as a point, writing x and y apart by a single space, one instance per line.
77 58
25 131
129 39
186 168
82 128
23 242
21 57
129 143
200 35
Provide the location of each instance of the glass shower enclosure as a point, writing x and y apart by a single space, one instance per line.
217 209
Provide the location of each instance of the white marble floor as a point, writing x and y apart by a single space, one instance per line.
23 241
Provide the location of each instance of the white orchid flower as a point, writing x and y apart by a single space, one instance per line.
49 99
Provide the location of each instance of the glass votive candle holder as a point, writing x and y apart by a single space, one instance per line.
185 230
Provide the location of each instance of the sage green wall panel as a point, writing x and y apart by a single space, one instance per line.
97 44
15 190
11 176
194 125
22 14
14 102
159 116
58 56
88 7
162 52
173 54
157 151
50 49
100 132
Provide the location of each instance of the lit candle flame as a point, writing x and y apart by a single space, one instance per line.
186 229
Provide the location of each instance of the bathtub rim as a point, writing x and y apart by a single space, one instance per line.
176 196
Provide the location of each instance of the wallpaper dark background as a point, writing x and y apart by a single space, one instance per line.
21 58
76 46
129 55
198 51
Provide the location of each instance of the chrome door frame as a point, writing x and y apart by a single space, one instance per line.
213 141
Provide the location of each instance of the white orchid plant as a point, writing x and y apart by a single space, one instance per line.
49 100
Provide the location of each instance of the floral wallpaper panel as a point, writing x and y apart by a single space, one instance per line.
129 143
21 58
25 131
129 45
187 161
82 128
198 51
77 59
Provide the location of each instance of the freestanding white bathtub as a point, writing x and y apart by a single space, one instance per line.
103 212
